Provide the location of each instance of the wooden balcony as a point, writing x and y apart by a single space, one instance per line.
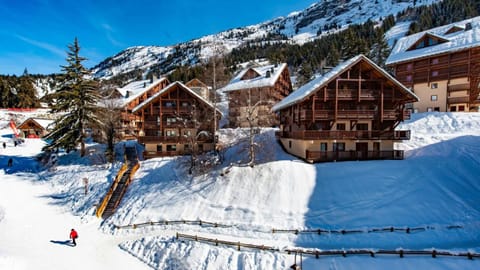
345 135
170 139
353 114
317 156
154 154
454 100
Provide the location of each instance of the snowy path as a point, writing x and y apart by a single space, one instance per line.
26 237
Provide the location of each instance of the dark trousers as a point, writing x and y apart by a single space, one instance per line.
73 241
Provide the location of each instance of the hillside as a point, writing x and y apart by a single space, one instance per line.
318 20
435 189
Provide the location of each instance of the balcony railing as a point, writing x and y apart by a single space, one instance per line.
317 156
170 139
153 154
452 100
353 114
346 135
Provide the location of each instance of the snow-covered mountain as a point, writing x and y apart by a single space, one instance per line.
322 18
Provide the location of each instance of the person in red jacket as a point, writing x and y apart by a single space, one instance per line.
73 236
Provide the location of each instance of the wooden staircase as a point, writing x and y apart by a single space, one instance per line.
119 186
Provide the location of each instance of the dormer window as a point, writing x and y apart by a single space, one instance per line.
426 41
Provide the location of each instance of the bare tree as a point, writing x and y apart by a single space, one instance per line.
108 131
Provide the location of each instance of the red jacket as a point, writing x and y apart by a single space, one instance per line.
73 234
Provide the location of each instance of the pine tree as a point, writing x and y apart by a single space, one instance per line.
26 92
380 49
77 101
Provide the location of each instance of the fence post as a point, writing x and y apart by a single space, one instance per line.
238 246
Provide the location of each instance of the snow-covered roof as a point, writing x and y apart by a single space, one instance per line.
260 81
166 89
134 89
44 123
455 41
315 84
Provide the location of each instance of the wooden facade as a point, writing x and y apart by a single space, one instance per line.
199 87
176 121
35 127
131 96
253 92
443 69
349 113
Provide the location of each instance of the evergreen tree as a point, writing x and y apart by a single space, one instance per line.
26 92
76 100
380 49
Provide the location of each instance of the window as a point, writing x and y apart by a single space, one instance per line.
362 126
410 67
434 98
434 73
409 78
159 148
434 85
341 126
171 147
187 147
187 133
171 120
436 109
170 133
435 60
429 109
289 144
338 147
453 108
461 108
323 147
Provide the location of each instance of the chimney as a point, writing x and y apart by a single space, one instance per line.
468 26
268 74
144 84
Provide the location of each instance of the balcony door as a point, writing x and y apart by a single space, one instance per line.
362 150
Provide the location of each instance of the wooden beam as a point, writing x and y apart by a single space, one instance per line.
336 99
381 102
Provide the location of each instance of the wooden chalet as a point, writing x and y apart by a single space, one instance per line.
130 96
176 121
441 66
350 113
35 127
253 92
199 87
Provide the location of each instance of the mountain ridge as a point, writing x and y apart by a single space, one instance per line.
317 20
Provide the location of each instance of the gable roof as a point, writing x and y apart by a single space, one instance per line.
314 85
239 83
454 41
425 38
196 83
41 122
168 88
135 89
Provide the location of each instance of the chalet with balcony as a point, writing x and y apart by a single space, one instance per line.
350 113
253 92
441 66
176 121
130 96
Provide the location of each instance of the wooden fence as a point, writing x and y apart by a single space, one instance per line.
318 253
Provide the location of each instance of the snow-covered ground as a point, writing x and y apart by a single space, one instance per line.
434 188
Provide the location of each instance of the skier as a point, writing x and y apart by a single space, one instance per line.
4 145
10 162
73 236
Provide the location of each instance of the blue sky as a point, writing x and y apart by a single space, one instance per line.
34 34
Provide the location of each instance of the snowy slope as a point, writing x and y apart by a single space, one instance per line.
434 188
320 19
